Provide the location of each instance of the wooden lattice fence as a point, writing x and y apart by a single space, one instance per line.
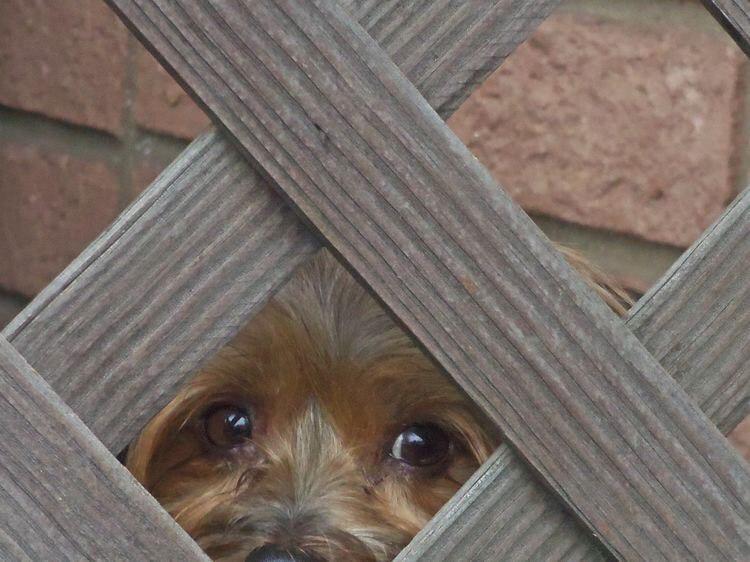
326 135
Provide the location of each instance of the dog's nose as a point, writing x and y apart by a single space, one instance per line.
272 553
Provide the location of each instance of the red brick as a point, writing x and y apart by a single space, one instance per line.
740 438
53 205
612 125
65 59
161 105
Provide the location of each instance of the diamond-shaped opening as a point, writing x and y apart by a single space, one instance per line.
322 427
617 126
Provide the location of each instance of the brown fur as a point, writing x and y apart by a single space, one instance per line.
330 380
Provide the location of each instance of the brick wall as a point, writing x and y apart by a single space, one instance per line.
621 126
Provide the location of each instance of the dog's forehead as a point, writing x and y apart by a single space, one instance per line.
323 338
283 374
282 367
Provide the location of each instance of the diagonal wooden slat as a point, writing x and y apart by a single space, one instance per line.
734 16
62 494
696 321
162 289
376 183
202 249
431 40
502 513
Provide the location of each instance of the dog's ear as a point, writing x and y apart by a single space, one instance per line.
477 435
153 451
140 455
611 293
480 443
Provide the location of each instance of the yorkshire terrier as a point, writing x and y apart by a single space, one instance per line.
320 433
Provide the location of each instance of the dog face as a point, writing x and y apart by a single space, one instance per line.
320 433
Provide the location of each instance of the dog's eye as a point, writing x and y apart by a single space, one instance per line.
421 445
227 426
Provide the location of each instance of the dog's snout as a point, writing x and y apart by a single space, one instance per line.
272 553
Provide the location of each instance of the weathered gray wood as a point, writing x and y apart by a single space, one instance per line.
447 48
162 289
734 16
325 114
502 513
696 321
202 249
63 496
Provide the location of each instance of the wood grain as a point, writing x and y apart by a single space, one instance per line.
447 48
169 283
696 319
63 496
324 113
696 322
205 246
502 513
734 16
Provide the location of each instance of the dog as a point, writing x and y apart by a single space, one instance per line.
321 432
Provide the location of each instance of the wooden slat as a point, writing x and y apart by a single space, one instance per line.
163 288
447 48
734 16
202 249
502 513
696 321
62 494
325 113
